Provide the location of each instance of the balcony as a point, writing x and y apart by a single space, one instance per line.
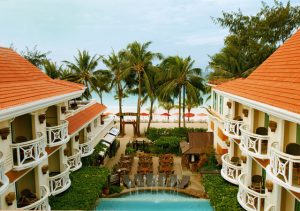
74 161
254 144
78 106
230 171
284 168
60 182
40 204
4 181
57 135
29 153
232 128
86 148
248 198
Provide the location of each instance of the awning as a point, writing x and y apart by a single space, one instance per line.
105 143
114 131
109 138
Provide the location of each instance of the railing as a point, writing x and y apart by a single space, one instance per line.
249 199
74 161
4 181
86 148
42 203
284 168
57 135
230 172
81 106
232 128
29 153
254 144
61 182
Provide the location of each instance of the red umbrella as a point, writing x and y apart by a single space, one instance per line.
165 114
202 114
144 114
189 115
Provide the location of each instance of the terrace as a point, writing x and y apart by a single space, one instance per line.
231 169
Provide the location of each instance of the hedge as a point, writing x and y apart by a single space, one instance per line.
86 188
92 159
155 133
167 144
223 195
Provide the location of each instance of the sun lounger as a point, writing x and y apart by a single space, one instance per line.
139 180
150 180
127 181
162 178
172 181
184 182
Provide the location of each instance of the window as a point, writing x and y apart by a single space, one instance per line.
221 105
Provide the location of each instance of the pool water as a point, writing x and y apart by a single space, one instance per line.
147 201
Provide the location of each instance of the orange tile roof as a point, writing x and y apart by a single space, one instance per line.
21 82
276 82
81 118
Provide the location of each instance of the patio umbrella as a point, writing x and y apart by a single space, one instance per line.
166 115
144 114
189 115
202 114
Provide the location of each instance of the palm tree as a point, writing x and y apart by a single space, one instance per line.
51 69
140 59
83 71
181 79
167 105
116 63
103 82
191 103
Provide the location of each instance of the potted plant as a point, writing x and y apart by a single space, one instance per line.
269 185
273 126
229 104
245 112
63 109
66 151
76 138
45 169
244 158
42 118
4 132
9 198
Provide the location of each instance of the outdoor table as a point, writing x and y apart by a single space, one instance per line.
165 169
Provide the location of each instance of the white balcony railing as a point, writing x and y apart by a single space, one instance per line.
254 144
284 168
230 172
57 135
74 161
30 153
249 199
42 203
81 105
61 182
86 148
4 181
232 128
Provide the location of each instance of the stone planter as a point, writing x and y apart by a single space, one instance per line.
269 185
273 126
229 104
245 112
4 132
45 169
10 198
42 118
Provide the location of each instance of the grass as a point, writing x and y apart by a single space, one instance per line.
86 188
223 195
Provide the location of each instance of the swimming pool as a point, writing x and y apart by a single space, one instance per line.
149 201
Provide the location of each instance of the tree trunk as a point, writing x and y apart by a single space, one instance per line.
120 95
168 115
150 115
179 107
139 107
183 105
189 111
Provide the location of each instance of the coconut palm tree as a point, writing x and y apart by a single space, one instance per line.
167 105
51 69
117 64
83 71
140 59
191 103
181 79
103 82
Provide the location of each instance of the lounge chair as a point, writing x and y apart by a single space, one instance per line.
127 181
139 180
150 180
184 182
162 178
172 181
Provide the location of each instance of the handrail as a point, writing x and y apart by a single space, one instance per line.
241 183
225 158
60 182
74 161
57 135
232 127
245 129
284 155
42 203
28 143
66 171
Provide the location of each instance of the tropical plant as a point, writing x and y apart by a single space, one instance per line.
35 56
193 103
51 69
181 79
140 60
83 71
167 105
103 82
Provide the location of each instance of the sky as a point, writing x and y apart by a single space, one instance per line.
176 27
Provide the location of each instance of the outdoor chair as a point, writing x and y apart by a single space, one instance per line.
264 143
256 183
184 182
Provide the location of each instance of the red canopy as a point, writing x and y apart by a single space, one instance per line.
202 114
189 115
165 114
144 114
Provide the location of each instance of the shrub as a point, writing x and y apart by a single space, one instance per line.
212 163
92 159
168 144
86 188
115 189
223 195
129 151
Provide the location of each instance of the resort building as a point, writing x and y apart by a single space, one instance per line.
44 132
256 122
